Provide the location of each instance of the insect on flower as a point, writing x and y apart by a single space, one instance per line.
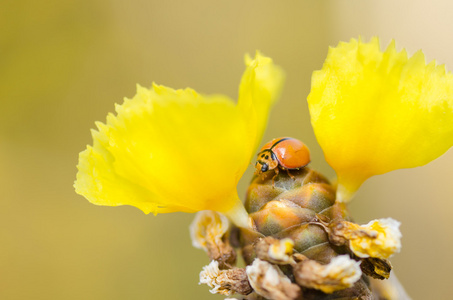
282 153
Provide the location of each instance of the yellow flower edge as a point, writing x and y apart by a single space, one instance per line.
376 111
169 150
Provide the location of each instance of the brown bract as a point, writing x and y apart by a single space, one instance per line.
376 267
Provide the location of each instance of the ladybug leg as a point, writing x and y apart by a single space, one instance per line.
273 178
290 175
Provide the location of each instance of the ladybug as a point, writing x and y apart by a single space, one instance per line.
283 153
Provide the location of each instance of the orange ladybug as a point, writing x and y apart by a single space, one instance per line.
285 153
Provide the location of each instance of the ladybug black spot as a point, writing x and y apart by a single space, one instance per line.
264 167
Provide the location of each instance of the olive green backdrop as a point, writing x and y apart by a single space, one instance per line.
63 65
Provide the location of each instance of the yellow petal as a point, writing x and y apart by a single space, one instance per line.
374 112
259 89
171 150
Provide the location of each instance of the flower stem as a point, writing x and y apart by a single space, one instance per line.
238 215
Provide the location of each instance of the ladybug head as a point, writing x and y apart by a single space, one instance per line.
266 161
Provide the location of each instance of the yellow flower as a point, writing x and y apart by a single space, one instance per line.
171 150
374 112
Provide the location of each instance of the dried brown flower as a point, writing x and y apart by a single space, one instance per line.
269 281
225 282
342 272
209 232
274 250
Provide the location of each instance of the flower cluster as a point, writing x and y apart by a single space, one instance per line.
169 150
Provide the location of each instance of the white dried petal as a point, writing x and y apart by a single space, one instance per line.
269 281
282 250
208 227
382 239
274 250
209 276
342 272
343 268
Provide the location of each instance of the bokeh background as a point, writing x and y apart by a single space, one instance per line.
63 65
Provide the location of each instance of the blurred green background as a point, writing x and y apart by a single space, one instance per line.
63 65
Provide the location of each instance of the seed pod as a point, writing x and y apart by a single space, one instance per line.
287 208
297 206
304 236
